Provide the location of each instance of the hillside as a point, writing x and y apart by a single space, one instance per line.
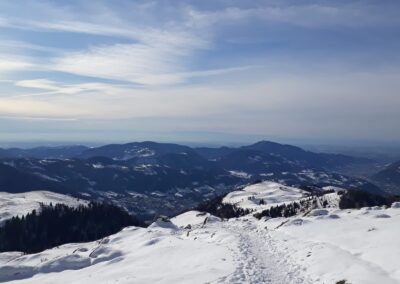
328 245
389 178
61 152
149 178
19 204
267 193
295 154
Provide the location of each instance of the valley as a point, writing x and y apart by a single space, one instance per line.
150 179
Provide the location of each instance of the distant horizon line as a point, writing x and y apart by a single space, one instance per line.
26 144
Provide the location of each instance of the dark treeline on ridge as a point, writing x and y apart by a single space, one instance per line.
54 225
357 199
219 209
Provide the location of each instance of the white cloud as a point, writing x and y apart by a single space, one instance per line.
15 46
164 55
38 84
300 105
311 14
138 63
14 64
154 56
53 88
130 62
294 94
160 61
32 108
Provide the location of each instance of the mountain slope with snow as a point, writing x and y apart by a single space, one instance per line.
151 179
266 192
160 254
356 245
19 204
325 245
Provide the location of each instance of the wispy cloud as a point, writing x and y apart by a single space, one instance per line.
43 84
266 66
52 88
10 64
130 62
20 46
163 55
311 14
155 56
158 63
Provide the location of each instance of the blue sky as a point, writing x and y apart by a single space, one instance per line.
207 71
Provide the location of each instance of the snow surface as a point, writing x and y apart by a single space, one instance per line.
271 192
159 254
240 174
194 218
18 204
356 245
325 246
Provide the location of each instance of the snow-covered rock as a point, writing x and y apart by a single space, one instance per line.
194 218
396 205
296 222
382 215
318 212
163 223
333 188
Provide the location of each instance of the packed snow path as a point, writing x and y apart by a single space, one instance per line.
256 258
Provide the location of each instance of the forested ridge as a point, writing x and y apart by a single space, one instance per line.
54 225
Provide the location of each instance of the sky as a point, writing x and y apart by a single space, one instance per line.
200 71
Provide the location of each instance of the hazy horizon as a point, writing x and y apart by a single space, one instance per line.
320 145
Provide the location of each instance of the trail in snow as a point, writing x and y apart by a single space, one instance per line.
357 246
324 246
256 258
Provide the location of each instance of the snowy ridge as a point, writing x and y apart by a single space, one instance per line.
270 193
326 245
19 204
161 253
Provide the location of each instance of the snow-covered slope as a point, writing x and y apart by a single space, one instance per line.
360 246
330 245
194 218
161 253
327 245
271 193
18 204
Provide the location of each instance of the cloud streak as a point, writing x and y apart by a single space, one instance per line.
12 64
286 68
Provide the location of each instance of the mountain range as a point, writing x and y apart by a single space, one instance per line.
150 178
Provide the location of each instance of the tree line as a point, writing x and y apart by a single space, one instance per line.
54 225
357 199
222 210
